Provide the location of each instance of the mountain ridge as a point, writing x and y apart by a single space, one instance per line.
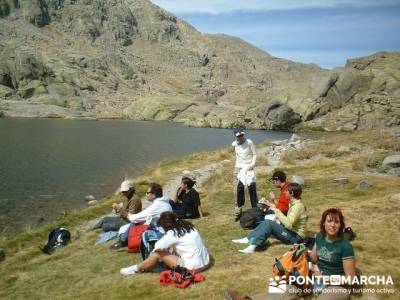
132 59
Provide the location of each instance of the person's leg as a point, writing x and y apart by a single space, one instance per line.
240 198
177 208
283 234
158 256
151 262
261 233
123 232
253 194
235 181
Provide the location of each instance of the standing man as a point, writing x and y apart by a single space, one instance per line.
245 161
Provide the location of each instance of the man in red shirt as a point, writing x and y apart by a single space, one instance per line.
279 180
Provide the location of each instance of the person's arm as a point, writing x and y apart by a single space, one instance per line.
349 267
143 215
292 217
200 211
167 241
178 194
253 150
313 254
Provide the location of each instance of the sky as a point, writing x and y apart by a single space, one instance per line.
324 32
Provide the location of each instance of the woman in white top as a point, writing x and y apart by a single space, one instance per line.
185 242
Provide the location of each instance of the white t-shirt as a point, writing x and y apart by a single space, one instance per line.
189 248
245 154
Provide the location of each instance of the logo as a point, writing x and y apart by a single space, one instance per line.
277 285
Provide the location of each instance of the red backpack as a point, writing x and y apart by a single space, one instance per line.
135 237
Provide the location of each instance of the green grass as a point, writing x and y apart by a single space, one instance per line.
83 270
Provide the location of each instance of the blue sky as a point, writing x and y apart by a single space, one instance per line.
310 31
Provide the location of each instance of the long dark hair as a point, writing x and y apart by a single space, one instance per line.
170 221
333 212
188 181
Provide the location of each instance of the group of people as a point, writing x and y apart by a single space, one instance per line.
285 218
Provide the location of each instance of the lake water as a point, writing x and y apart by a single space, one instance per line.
48 166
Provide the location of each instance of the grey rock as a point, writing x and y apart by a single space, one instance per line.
92 202
363 185
392 161
341 180
395 197
394 171
2 255
279 116
35 12
89 198
298 179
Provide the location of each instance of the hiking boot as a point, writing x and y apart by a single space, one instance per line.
238 213
118 246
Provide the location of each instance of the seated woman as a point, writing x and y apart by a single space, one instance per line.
289 229
332 254
183 238
187 201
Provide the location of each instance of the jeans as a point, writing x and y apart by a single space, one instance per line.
124 232
266 228
240 198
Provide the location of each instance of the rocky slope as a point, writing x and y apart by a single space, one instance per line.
132 59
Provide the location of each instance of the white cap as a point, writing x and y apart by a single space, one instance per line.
126 185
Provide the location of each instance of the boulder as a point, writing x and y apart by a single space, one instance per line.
279 116
298 179
394 171
392 161
363 185
7 7
341 180
92 202
395 197
89 198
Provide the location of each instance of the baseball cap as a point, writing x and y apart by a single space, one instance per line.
238 131
126 185
279 175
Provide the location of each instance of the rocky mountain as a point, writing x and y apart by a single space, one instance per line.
132 59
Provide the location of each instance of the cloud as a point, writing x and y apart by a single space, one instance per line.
228 6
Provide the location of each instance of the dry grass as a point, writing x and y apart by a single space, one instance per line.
87 271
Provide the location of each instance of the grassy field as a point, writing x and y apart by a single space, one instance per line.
84 270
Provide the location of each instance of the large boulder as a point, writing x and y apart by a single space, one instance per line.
279 116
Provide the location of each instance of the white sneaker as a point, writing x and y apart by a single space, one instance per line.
132 270
244 240
249 249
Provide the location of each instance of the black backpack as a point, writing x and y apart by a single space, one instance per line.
58 237
248 218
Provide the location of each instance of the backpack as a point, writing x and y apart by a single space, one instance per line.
58 237
180 277
149 238
249 217
349 234
292 263
135 237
